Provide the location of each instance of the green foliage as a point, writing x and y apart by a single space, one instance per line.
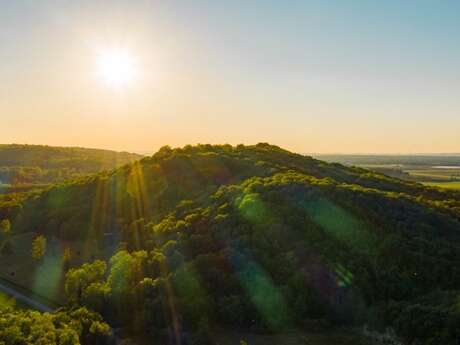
84 281
25 168
65 327
5 237
435 318
5 227
66 257
39 247
251 236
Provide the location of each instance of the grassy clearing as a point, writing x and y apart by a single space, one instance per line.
448 185
6 301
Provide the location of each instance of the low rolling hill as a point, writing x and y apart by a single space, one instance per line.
26 167
256 238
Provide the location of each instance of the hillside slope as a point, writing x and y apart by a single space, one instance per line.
153 186
257 237
28 167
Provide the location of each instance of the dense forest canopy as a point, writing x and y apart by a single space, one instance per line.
255 237
65 327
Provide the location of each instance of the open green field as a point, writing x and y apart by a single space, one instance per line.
449 185
6 301
435 174
430 176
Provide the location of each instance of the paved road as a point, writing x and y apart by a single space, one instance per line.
24 299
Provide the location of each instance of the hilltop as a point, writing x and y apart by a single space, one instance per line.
254 237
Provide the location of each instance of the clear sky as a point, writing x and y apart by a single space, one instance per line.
310 76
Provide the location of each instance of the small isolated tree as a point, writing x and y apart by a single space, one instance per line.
38 247
5 240
5 227
66 257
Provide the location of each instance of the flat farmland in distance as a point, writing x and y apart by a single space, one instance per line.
442 171
438 174
449 185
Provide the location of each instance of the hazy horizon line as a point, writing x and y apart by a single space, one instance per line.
146 152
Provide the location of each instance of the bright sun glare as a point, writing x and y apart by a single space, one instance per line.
117 68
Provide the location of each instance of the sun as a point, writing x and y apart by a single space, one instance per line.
117 68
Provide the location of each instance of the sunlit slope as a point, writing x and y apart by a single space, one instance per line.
152 187
57 157
36 164
258 236
300 248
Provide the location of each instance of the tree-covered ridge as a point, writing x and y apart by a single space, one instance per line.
153 186
35 164
256 237
275 252
62 157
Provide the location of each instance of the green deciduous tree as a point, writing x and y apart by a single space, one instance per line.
39 247
78 280
65 327
66 257
5 227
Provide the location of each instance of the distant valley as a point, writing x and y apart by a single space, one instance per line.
30 167
442 170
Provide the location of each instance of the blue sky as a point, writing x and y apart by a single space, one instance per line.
312 76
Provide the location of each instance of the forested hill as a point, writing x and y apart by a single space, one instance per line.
154 186
257 237
35 164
